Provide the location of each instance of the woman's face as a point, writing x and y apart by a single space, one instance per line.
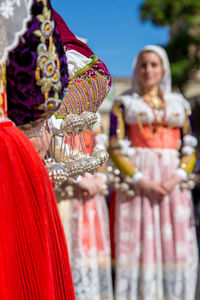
150 70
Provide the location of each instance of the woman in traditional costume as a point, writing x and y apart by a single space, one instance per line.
34 260
84 213
155 241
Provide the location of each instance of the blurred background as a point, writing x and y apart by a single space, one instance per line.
117 29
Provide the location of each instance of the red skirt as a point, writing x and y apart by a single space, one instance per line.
34 260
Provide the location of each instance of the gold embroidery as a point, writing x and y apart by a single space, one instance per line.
3 96
47 73
188 162
123 163
186 125
120 122
155 102
170 123
140 124
85 91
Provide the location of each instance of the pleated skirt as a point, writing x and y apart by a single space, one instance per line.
34 261
156 248
86 227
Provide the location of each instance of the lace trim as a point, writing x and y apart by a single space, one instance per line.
6 11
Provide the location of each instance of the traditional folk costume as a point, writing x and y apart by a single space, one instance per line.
85 219
155 242
34 260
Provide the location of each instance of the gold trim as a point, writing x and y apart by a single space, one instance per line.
120 122
123 163
188 162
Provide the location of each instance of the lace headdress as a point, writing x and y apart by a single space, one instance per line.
14 15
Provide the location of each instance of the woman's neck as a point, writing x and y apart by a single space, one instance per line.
154 91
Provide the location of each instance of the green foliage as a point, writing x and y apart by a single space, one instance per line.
177 50
166 12
180 71
183 17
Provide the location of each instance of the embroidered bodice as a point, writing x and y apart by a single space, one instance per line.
174 115
134 118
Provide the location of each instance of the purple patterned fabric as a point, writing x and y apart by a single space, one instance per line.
114 121
24 96
113 124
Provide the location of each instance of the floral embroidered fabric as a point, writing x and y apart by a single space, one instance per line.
156 250
33 81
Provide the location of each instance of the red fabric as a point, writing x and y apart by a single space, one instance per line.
87 239
87 138
155 137
34 262
69 40
112 224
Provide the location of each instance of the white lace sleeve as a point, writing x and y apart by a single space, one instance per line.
76 61
14 15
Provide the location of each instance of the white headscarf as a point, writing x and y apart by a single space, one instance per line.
165 83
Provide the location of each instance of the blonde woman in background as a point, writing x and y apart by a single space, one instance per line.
155 242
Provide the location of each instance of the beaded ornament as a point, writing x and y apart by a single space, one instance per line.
83 96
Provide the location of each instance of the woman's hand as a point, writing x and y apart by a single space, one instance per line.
151 189
91 185
170 183
41 143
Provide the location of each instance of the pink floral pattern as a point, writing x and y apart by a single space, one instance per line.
156 251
